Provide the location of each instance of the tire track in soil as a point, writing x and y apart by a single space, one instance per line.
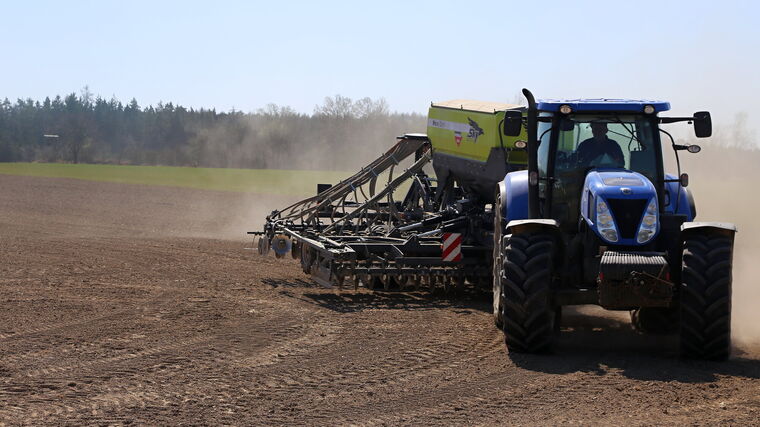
160 302
433 359
490 396
113 360
286 341
110 315
400 370
194 390
139 308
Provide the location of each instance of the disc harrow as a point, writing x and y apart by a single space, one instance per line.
356 233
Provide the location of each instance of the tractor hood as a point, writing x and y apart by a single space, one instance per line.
621 207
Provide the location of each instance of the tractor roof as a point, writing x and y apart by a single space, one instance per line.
603 105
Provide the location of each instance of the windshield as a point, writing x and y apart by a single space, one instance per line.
607 142
585 142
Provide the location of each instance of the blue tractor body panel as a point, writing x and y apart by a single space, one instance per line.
514 193
613 186
685 202
602 105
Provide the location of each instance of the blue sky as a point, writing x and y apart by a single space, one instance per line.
241 54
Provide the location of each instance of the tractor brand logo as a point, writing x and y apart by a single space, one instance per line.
458 138
475 130
626 190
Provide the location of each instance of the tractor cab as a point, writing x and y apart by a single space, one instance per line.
596 165
616 140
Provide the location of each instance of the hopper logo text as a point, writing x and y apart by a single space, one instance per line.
475 130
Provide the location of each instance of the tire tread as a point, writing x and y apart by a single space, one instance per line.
705 313
526 291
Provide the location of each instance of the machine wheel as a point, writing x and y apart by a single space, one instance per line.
655 320
389 282
431 279
372 282
403 281
307 258
295 252
339 279
498 261
525 299
705 327
448 284
417 281
263 245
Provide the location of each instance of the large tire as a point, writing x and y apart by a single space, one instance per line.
705 293
526 292
498 261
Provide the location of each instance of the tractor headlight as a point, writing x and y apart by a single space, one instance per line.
604 221
610 235
648 226
644 236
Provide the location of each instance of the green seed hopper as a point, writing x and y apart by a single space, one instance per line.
469 146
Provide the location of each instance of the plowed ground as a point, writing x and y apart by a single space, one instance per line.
132 304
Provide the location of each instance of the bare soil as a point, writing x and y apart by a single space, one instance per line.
133 304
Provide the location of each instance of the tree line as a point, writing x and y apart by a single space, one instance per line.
82 128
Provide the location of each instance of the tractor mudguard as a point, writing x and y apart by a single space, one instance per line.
700 227
529 225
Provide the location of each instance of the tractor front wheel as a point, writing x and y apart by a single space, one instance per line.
705 293
526 277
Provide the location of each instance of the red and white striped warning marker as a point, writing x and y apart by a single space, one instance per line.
452 247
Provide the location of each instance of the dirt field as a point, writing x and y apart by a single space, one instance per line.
129 304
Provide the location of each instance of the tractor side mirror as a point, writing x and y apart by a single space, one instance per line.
702 124
512 123
691 148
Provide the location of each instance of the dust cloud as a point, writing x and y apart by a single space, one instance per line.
336 139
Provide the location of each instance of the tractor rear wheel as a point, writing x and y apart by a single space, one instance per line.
525 292
655 320
705 293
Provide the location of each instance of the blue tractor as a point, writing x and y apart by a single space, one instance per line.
551 204
595 219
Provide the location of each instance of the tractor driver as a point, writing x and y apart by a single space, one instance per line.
599 145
